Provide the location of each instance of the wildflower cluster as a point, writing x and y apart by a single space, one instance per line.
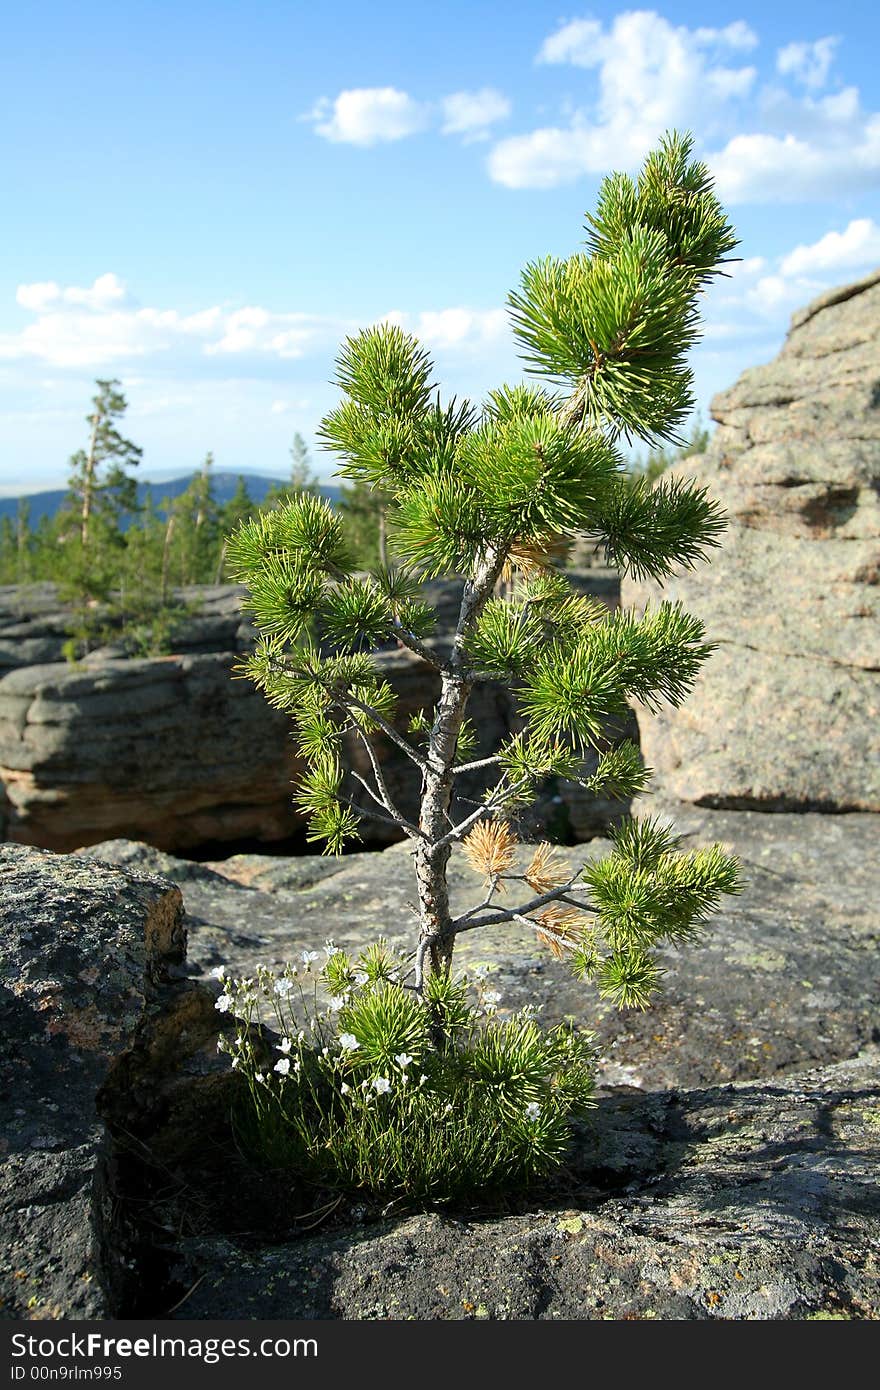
354 1094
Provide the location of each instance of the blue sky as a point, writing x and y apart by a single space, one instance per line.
203 200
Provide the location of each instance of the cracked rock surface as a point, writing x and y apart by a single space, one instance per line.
756 1201
88 996
787 976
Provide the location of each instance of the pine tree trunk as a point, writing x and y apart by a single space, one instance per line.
383 538
89 483
435 918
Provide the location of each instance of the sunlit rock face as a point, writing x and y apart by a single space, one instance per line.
786 714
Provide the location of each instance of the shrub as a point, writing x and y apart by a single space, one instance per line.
359 1097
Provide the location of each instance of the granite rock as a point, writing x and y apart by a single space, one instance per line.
787 975
786 713
92 1016
751 1202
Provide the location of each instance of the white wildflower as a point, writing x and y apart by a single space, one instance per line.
224 1003
492 997
381 1085
308 956
404 1060
532 1110
283 987
345 1088
330 950
336 1002
348 1042
283 1065
218 973
284 1046
361 977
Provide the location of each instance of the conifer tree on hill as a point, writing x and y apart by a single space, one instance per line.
99 482
486 495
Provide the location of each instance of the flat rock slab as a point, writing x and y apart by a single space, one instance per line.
757 1202
787 976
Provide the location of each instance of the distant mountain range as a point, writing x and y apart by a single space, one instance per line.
47 503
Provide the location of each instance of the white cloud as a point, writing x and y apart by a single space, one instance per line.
765 144
808 62
470 114
100 326
369 116
73 331
737 35
855 248
106 290
652 75
765 168
759 295
577 42
459 330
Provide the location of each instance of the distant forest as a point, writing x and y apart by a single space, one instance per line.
120 550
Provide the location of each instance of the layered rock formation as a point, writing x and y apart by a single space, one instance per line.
175 751
786 714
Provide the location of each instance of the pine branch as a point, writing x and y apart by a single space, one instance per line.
496 801
414 644
346 701
384 798
480 762
464 922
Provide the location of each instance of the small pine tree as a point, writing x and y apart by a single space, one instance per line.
192 532
488 496
100 486
302 477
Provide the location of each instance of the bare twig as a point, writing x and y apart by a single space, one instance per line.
381 784
375 815
497 799
466 923
394 814
480 762
419 648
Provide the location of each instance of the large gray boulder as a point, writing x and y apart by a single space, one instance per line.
96 1023
786 713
